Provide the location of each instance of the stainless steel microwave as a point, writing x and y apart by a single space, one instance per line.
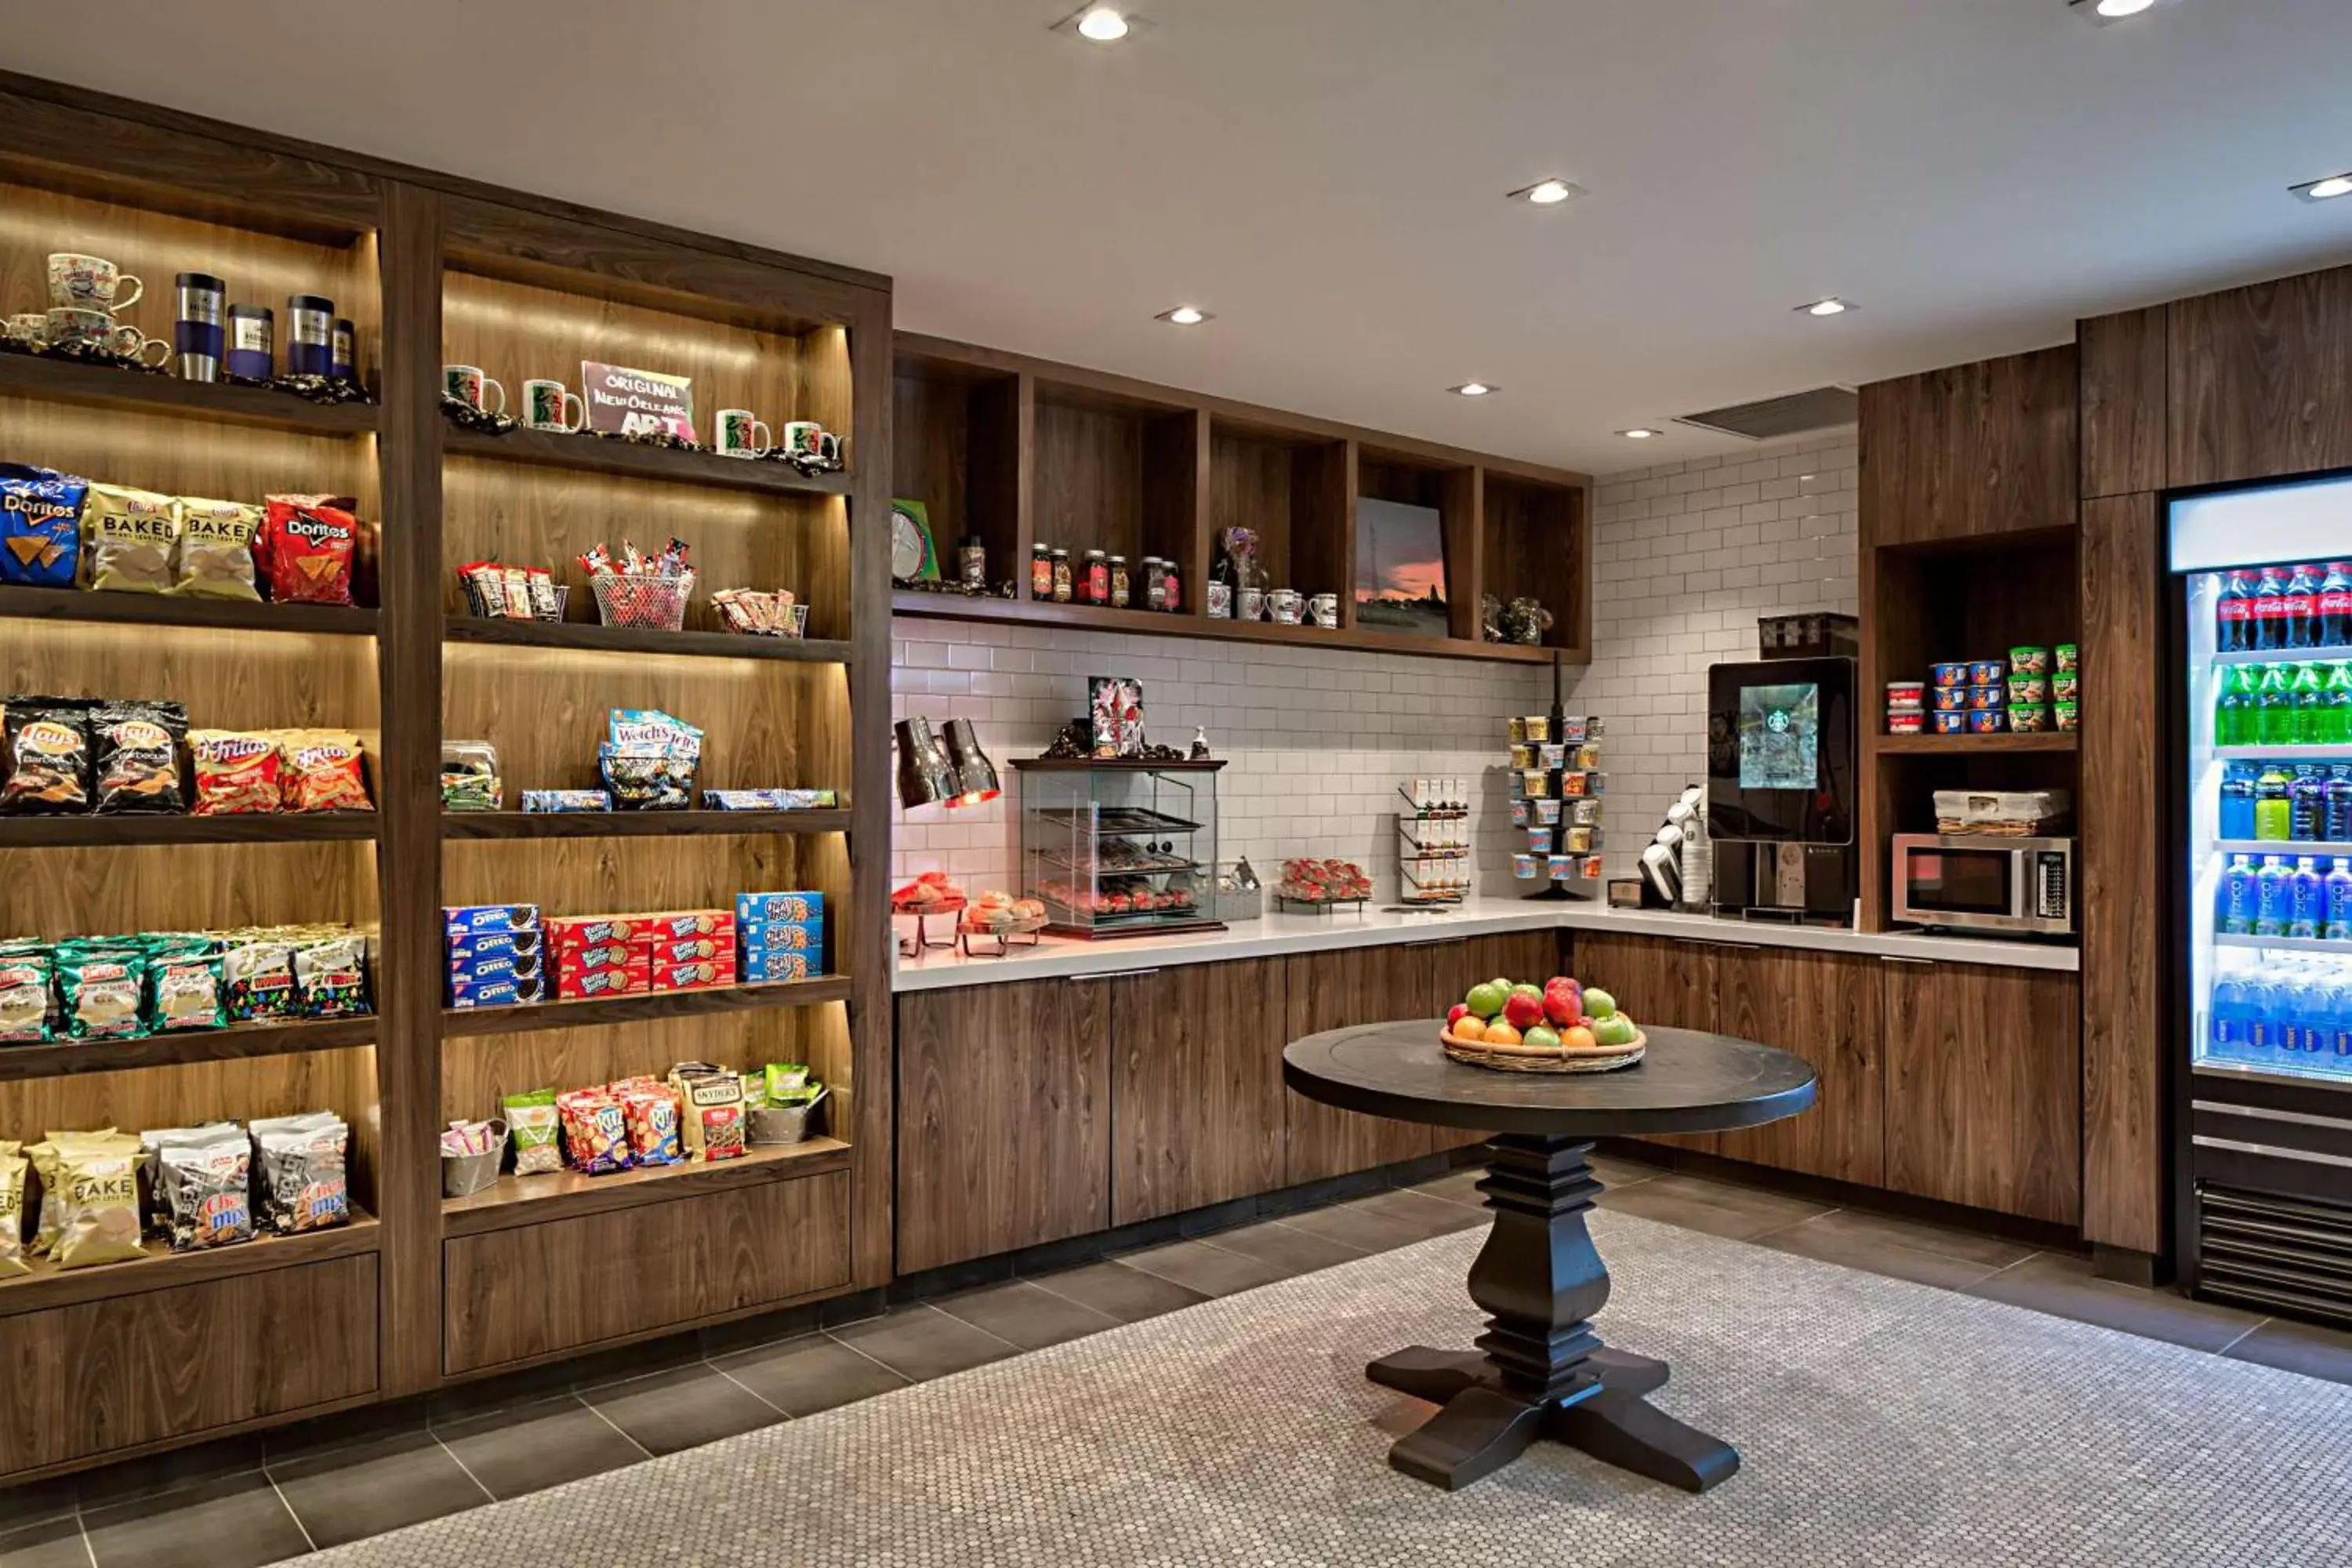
1978 881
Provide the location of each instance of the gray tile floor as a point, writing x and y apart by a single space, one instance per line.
264 1505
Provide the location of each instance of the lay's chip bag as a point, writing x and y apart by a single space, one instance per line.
40 526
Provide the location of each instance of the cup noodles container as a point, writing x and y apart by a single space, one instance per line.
1519 813
1982 699
780 906
2027 718
1540 840
1949 723
1547 812
1986 720
2066 686
1905 723
2067 716
1906 696
1950 698
2027 659
2066 657
1949 674
1987 672
1559 867
1525 868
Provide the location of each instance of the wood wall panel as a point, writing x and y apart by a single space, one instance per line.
1335 989
1004 1119
2126 371
1971 450
1658 981
1534 956
83 1381
1196 1091
539 1290
2262 380
1824 1008
2124 753
1984 1087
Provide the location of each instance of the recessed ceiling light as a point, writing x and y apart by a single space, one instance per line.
1105 25
2325 190
1832 306
2099 13
1638 433
1473 389
1185 316
1546 193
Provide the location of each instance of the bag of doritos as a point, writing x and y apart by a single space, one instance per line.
40 526
309 546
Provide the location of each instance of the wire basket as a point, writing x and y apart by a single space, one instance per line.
656 603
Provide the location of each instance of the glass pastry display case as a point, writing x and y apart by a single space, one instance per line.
1117 848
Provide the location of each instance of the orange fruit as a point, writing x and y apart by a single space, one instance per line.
1469 1027
1578 1038
1501 1034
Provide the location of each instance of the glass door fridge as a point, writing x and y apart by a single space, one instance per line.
2261 892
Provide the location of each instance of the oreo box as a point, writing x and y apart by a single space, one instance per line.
758 966
501 993
497 967
781 936
465 947
467 919
779 907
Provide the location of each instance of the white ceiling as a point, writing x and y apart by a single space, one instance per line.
1326 176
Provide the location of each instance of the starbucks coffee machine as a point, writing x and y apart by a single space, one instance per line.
1781 763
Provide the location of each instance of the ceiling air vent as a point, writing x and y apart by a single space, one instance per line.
1823 408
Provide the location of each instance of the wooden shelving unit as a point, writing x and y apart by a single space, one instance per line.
1969 746
435 270
1016 451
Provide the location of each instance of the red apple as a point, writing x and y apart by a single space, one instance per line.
1562 1001
1523 1011
1454 1014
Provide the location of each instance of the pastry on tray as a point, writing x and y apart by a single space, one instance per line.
932 893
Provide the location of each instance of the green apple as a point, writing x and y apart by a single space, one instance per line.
1526 989
1615 1030
1487 1000
1598 1004
1502 983
1539 1036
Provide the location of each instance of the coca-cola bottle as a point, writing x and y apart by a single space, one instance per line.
2300 610
2335 606
2269 621
2233 608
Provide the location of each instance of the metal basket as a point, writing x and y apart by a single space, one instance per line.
465 1174
656 603
785 1124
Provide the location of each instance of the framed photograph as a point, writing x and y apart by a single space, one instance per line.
1115 711
914 553
1401 568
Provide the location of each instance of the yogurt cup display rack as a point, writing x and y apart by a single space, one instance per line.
1555 782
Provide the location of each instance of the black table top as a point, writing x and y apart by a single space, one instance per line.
1686 1081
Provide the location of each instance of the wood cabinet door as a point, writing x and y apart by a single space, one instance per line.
2262 380
1530 955
1658 981
1332 991
1984 1087
1195 1086
1971 451
1003 1119
1824 1008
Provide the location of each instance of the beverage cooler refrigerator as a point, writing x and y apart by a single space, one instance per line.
2260 782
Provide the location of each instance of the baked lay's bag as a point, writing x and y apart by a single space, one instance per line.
217 539
309 544
129 538
40 526
12 1166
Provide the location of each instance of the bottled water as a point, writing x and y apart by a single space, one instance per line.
2307 899
2233 1020
2273 896
2338 901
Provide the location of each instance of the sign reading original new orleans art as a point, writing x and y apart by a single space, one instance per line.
624 402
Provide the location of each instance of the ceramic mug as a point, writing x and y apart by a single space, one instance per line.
470 386
1325 609
547 407
91 283
800 437
70 324
742 435
30 328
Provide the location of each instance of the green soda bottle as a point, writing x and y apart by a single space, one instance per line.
2233 708
2273 709
2339 723
2310 707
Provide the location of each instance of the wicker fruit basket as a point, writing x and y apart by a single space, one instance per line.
1539 1058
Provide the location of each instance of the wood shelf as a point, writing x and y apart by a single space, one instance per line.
276 827
514 1200
1972 745
588 636
624 459
636 824
63 1057
161 1268
103 387
914 602
173 610
460 1022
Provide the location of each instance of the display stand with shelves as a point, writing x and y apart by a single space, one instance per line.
1118 848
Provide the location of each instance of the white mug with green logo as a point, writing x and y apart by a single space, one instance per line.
469 385
547 407
742 436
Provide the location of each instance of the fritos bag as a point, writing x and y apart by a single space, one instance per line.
309 544
236 772
129 538
217 540
318 770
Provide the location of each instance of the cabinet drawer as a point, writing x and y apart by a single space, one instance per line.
80 1382
538 1291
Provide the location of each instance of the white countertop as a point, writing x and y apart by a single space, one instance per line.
1275 934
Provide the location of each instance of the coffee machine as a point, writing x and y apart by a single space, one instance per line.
1781 763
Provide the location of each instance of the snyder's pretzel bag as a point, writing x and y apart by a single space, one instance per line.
217 539
48 764
129 538
318 770
40 526
138 751
309 545
236 772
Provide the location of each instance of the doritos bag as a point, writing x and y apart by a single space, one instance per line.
309 544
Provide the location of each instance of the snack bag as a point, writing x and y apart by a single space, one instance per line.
710 1110
469 776
97 1203
46 1156
25 996
533 1123
40 526
47 740
236 772
303 1183
129 538
103 989
137 746
202 1185
13 1165
653 1124
259 976
595 1130
309 542
331 977
185 987
217 539
318 770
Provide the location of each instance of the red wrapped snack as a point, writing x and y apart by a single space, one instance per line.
654 1125
236 772
595 1130
318 770
308 543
